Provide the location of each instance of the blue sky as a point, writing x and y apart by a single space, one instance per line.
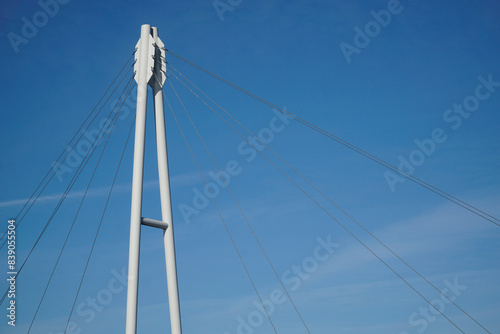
397 89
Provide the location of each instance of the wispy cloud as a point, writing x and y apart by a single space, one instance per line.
441 231
185 179
95 192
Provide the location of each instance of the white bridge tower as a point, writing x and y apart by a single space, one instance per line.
150 70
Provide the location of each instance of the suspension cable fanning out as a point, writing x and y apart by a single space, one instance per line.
217 208
307 181
67 150
72 182
349 145
348 230
240 209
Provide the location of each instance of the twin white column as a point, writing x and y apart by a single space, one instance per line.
148 68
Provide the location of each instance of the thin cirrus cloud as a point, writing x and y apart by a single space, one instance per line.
176 181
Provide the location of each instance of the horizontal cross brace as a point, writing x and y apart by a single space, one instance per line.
154 223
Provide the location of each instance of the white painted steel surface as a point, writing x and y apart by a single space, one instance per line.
150 48
166 207
137 181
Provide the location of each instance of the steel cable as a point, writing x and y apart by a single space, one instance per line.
347 144
316 188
